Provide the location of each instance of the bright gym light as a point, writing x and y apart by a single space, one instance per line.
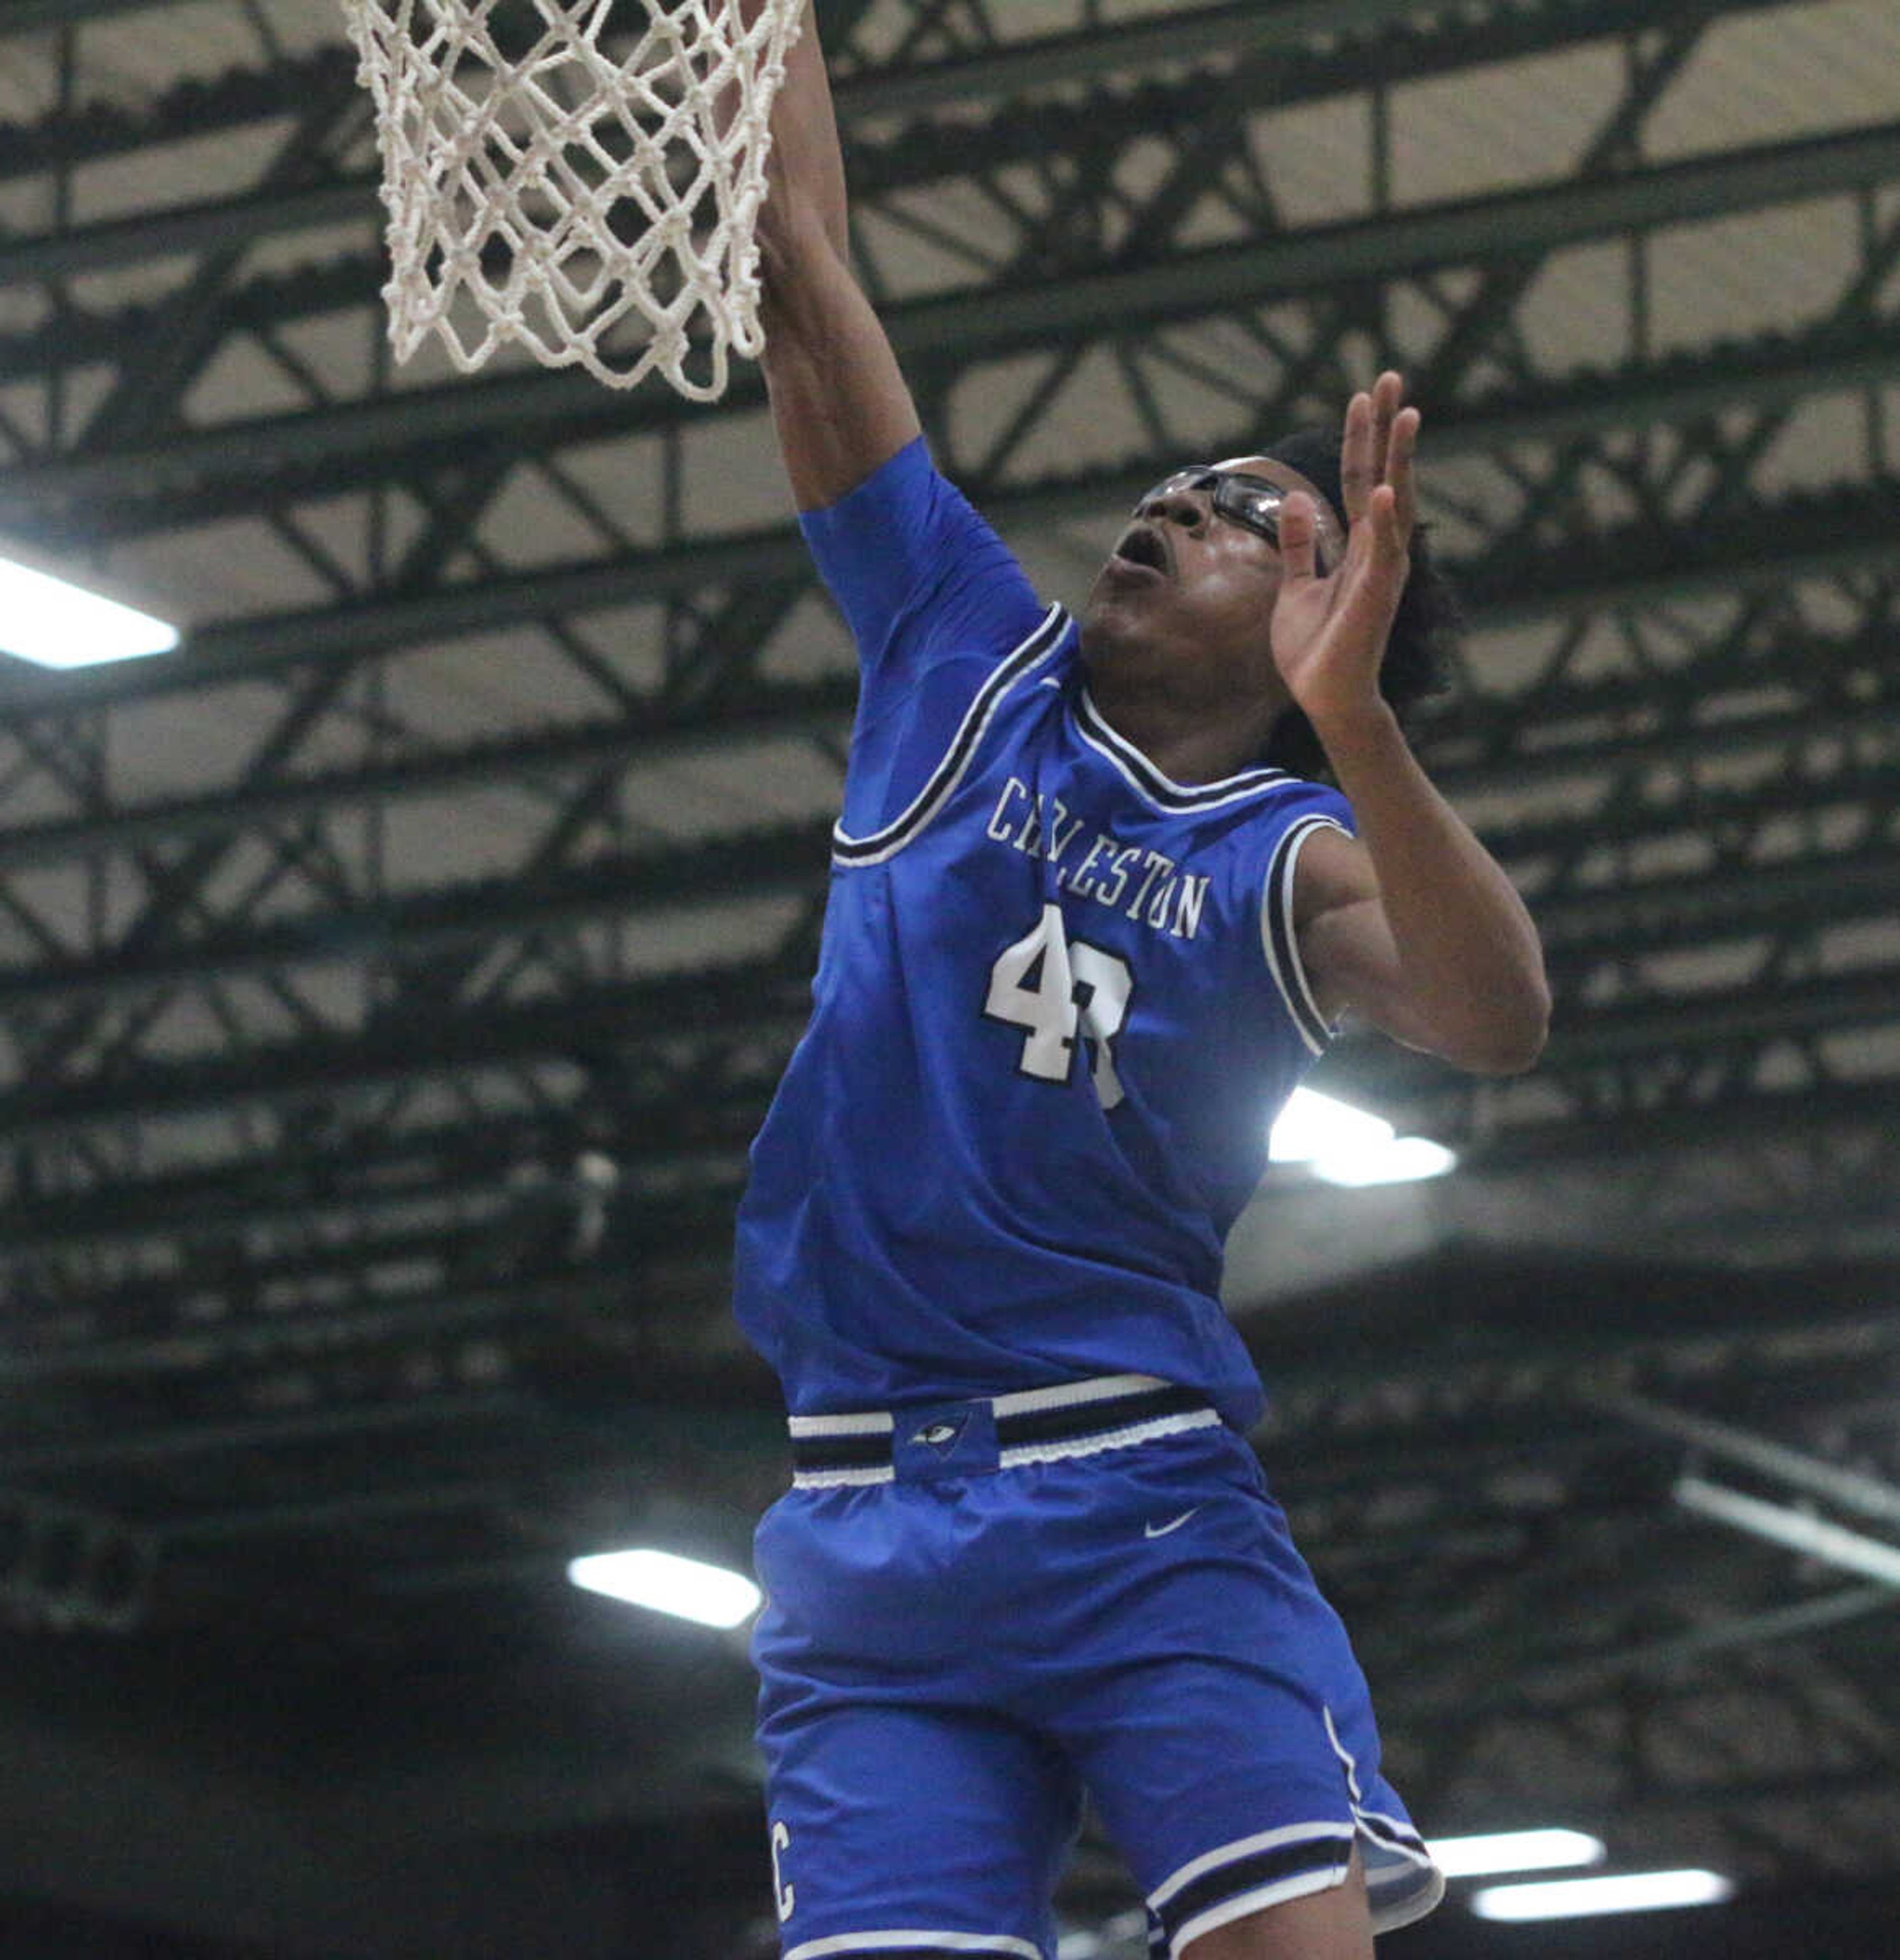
664 1582
1800 1531
1402 1161
1513 1851
54 624
1577 1898
1343 1145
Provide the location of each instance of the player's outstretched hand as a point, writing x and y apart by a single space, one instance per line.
1328 632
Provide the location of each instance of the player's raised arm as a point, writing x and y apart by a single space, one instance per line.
838 399
1414 928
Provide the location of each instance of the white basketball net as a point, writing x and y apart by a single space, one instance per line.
583 178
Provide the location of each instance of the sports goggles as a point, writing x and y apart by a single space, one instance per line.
1250 501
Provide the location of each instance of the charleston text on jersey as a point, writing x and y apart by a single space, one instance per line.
1140 884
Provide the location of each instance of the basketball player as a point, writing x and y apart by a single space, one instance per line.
1082 942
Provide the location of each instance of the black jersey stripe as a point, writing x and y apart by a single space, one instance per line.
1160 789
1251 1873
1394 1836
1105 1415
1101 1417
879 844
1282 945
841 1452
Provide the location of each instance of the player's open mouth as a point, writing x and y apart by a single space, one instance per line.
1143 545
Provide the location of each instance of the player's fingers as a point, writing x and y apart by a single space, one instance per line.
1382 514
1388 396
1388 563
1358 470
1402 448
1299 537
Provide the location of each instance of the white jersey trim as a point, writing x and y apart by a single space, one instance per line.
1003 1945
1280 939
1021 659
1160 789
829 1480
872 1422
1098 1392
1346 1759
1019 1453
1072 1395
1403 1883
1247 1847
1298 1886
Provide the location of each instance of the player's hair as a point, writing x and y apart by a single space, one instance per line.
1425 630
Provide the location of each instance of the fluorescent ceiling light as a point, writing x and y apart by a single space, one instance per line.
1343 1145
1817 1538
54 624
1312 1125
1576 1898
1403 1160
1513 1851
667 1584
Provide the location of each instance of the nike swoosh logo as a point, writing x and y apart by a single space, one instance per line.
1173 1525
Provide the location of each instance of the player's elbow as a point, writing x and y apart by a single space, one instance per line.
1509 1036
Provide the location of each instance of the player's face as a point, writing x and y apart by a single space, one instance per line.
1189 587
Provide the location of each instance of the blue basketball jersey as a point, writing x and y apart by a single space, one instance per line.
1058 1002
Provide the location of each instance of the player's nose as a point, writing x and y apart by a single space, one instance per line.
1178 503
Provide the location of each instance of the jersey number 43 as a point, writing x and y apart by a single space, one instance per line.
1061 991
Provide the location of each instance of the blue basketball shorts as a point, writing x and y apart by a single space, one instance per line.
978 1612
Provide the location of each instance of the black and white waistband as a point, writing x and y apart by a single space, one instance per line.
1032 1426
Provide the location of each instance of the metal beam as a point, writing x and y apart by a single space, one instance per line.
1573 1679
1425 238
1460 760
1169 39
183 230
32 17
189 108
1716 1028
1537 1365
1411 1373
740 1002
285 1430
309 1186
1761 553
1164 36
658 736
789 862
250 1194
744 1003
1712 1021
259 1341
1853 1490
369 439
989 321
1639 915
1627 1129
1052 58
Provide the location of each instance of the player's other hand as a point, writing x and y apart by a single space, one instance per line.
1328 633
